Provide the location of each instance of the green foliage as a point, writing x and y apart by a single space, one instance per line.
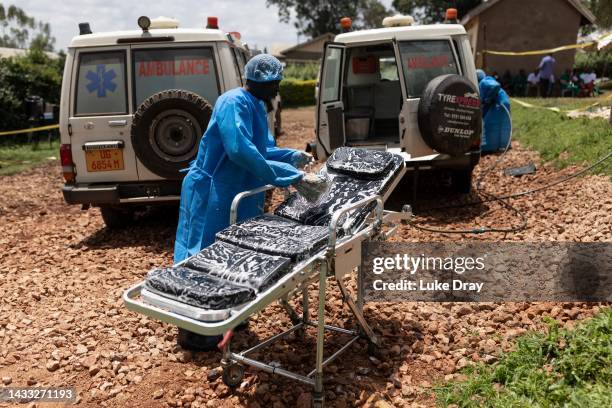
602 9
562 140
558 368
601 61
297 92
433 11
33 74
318 17
18 30
14 159
302 71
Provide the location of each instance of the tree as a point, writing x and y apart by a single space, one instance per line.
433 11
32 74
18 30
317 17
602 9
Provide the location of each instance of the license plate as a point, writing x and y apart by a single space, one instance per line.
104 160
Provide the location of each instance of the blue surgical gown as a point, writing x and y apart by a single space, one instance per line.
497 123
236 153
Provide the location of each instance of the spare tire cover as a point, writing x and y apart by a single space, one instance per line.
166 131
449 115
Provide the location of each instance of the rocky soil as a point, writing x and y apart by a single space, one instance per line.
62 321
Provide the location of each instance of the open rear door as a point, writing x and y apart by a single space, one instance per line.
330 108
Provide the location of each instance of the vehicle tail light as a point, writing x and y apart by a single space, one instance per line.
67 164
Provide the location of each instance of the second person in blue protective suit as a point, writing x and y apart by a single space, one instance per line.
236 153
496 114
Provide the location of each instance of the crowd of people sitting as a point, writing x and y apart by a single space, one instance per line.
543 83
572 83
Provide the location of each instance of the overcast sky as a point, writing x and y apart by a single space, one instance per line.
258 24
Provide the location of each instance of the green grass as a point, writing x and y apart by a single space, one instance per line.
562 140
14 159
570 368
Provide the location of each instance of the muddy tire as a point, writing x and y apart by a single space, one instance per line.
167 129
117 218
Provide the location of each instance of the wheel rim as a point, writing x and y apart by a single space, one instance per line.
173 135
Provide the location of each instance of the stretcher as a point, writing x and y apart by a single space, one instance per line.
274 257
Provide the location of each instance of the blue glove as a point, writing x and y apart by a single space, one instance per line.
301 159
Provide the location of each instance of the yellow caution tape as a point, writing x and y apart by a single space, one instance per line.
29 130
559 110
548 51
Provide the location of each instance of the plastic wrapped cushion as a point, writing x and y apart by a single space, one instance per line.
276 236
361 163
196 288
240 266
344 190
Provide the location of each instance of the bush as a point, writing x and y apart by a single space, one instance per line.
297 92
601 61
32 74
302 71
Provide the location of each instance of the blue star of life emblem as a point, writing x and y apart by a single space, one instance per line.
101 80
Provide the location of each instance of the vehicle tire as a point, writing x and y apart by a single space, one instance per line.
449 115
116 218
166 131
462 181
197 342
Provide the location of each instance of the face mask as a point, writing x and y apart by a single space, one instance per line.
265 91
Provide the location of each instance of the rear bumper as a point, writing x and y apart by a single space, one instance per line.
468 161
122 193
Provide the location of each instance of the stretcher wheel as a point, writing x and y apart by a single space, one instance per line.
318 400
233 375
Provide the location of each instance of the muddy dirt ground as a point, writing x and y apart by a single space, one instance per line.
62 321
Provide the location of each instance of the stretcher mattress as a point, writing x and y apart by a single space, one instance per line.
367 179
240 266
196 288
278 236
249 257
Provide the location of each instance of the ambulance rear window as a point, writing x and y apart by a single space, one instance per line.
101 88
191 69
422 61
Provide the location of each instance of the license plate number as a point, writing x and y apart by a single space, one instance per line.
104 160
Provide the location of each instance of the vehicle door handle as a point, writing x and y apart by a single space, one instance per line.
117 123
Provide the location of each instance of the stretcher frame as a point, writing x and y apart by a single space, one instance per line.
341 256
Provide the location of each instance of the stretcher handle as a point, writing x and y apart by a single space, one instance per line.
226 338
244 194
333 226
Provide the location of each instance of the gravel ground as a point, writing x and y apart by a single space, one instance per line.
62 321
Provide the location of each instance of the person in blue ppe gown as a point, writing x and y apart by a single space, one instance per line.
236 153
495 112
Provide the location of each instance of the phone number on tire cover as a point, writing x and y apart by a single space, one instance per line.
27 394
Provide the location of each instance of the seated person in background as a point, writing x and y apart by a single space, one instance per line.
533 80
519 84
506 82
587 79
567 81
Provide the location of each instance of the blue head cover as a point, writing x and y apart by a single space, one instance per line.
264 68
480 74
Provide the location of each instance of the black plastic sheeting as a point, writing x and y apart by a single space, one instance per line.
360 163
343 190
240 266
196 288
275 235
